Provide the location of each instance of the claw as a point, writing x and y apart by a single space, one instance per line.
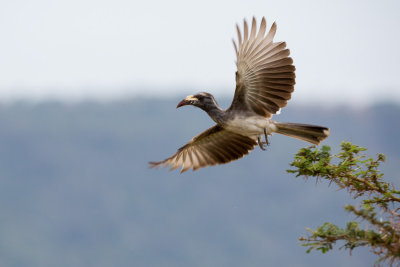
260 143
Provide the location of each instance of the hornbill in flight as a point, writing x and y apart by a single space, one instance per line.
265 80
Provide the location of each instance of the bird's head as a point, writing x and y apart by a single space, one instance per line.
201 100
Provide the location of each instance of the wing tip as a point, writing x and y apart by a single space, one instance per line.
155 164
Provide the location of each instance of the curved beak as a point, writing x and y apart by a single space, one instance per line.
189 100
182 103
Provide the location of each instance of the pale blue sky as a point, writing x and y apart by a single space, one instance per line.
344 51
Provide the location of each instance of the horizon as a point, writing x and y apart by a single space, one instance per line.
224 98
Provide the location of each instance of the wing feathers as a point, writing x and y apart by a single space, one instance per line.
271 34
263 28
245 31
234 45
267 53
239 35
214 146
265 73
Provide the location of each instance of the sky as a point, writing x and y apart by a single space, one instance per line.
344 51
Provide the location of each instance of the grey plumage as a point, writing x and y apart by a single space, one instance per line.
265 80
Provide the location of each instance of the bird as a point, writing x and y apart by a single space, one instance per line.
265 80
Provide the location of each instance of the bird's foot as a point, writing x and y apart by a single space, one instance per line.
261 143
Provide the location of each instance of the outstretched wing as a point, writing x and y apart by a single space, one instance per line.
265 75
213 146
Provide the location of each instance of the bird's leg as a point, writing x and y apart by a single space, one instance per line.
266 137
260 143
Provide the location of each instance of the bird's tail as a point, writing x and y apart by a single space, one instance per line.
310 133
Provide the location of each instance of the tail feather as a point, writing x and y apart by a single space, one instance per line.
306 132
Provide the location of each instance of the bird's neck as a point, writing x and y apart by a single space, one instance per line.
216 113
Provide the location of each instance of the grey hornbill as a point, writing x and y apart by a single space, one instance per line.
265 80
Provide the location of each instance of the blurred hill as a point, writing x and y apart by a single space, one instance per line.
75 188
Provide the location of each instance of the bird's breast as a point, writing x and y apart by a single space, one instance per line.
250 126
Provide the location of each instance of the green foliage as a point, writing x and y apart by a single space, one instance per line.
359 175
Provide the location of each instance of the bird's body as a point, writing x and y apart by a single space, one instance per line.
247 124
264 83
252 126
